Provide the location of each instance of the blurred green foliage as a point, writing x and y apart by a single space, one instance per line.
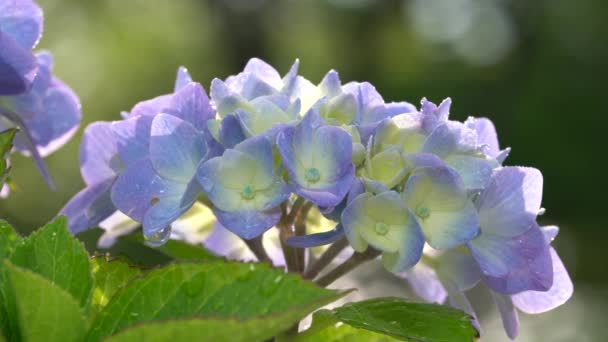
534 67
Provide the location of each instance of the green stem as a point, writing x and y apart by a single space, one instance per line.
300 229
257 247
350 264
285 232
325 259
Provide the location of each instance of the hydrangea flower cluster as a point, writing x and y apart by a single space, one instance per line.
45 109
428 194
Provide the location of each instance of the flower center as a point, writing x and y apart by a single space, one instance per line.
248 192
423 212
312 175
381 228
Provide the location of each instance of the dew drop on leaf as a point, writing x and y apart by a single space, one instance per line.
159 238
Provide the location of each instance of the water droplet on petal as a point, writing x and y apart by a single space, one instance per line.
159 238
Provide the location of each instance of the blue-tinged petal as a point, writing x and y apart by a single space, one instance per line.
266 114
323 178
338 110
243 178
440 112
264 72
169 208
27 146
191 104
249 224
535 302
334 212
55 111
183 78
475 172
459 300
486 134
438 199
89 207
460 268
153 106
317 239
21 20
514 264
331 85
176 148
550 232
425 283
139 188
384 222
17 67
353 219
250 86
132 137
230 131
98 153
511 201
290 79
424 160
260 149
508 314
404 131
368 98
221 189
395 108
410 251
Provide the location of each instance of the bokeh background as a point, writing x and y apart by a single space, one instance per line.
536 68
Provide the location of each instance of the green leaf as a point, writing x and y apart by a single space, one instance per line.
179 250
9 239
220 289
6 140
6 143
324 328
343 333
55 254
110 275
214 329
44 312
407 320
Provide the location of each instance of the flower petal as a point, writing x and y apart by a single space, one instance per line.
264 72
317 239
535 302
17 67
89 207
486 135
169 208
437 197
98 153
183 78
249 224
176 148
508 314
21 20
511 201
139 188
132 137
514 264
191 104
425 283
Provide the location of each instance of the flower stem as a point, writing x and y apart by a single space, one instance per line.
350 264
325 259
257 247
300 229
285 232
